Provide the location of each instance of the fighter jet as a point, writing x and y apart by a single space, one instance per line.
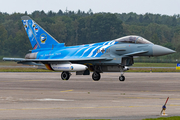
110 56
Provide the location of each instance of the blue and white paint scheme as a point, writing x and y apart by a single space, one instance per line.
110 56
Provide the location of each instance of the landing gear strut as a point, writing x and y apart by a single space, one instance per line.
65 75
122 78
96 76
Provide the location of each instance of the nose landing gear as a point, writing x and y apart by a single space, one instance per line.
121 78
122 69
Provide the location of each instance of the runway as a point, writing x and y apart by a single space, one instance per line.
43 96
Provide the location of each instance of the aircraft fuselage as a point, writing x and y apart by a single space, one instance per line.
109 56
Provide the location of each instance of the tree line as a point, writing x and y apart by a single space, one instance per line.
75 28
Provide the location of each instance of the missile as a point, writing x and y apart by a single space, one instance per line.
68 67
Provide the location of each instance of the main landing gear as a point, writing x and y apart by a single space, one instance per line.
65 75
96 76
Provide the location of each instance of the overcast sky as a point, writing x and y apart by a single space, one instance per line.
165 7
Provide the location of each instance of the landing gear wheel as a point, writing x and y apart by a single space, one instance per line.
96 76
121 78
65 75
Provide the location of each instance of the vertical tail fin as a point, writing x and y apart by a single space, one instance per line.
38 37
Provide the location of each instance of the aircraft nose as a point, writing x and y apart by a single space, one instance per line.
160 50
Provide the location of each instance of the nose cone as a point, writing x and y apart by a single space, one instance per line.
160 50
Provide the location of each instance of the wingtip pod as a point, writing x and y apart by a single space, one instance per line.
25 18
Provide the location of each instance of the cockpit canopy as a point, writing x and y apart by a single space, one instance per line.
133 39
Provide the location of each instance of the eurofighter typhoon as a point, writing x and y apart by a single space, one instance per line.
110 56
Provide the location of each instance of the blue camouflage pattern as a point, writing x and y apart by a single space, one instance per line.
49 48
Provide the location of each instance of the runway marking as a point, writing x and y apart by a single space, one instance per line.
41 100
150 98
66 91
145 91
101 107
141 98
174 98
31 80
173 105
170 90
50 99
9 81
21 81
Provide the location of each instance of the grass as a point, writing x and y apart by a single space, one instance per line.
23 70
154 65
161 118
152 70
3 69
93 119
6 63
165 118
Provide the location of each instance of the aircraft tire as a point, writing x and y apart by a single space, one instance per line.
96 76
65 75
121 78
